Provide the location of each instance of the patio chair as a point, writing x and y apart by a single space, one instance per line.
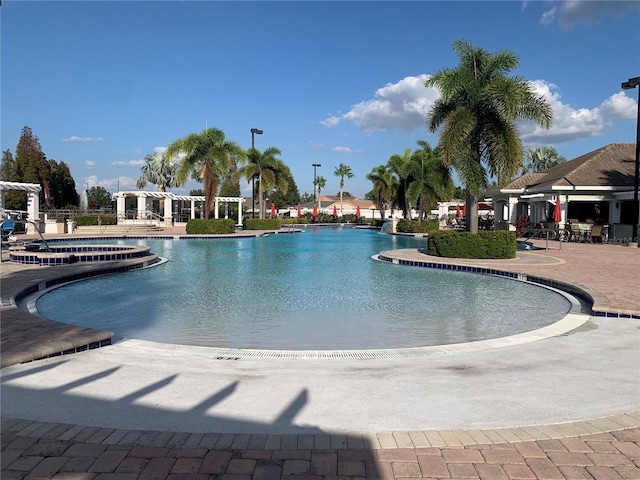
596 234
8 225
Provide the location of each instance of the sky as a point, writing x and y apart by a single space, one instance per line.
104 83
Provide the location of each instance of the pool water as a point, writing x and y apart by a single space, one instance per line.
315 290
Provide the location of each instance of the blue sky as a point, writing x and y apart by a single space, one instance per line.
102 84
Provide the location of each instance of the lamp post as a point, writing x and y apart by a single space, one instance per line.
315 165
631 84
254 131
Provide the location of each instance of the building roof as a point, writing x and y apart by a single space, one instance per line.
609 166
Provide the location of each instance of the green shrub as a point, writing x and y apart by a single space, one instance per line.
90 220
262 224
484 244
295 221
413 226
219 226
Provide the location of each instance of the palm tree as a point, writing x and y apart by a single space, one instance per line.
540 159
383 187
270 170
342 171
399 164
477 111
158 170
321 182
206 157
431 179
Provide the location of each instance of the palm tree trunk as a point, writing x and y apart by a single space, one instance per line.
341 188
260 199
472 213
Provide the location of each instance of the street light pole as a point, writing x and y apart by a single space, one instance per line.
630 84
314 165
254 131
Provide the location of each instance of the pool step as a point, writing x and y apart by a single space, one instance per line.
117 229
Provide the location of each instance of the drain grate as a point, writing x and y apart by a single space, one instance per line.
6 302
237 354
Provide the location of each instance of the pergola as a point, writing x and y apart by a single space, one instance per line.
144 199
33 205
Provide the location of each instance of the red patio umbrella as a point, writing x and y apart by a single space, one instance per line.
358 211
557 213
273 209
299 211
315 211
335 211
464 209
458 210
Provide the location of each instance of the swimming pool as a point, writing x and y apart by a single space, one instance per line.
319 289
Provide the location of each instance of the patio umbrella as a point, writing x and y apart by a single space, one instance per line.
273 209
299 211
458 210
335 211
557 213
464 209
315 211
358 211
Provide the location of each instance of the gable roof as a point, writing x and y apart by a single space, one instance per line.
609 166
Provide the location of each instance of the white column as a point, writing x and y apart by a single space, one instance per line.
142 207
168 211
121 209
33 212
216 209
239 222
193 209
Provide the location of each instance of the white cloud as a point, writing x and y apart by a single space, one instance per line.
112 184
569 123
129 163
402 105
345 150
620 106
74 138
580 12
330 121
90 164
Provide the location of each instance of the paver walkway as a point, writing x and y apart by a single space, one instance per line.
607 448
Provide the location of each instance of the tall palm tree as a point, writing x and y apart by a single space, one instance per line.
540 159
342 171
477 111
270 171
432 180
158 170
399 165
321 182
383 187
206 156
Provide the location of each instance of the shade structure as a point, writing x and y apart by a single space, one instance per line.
358 211
273 209
315 211
458 210
557 212
335 211
299 211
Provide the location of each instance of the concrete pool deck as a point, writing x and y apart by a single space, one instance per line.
562 407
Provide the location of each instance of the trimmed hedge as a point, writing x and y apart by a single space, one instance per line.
262 224
216 226
484 244
90 220
413 226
